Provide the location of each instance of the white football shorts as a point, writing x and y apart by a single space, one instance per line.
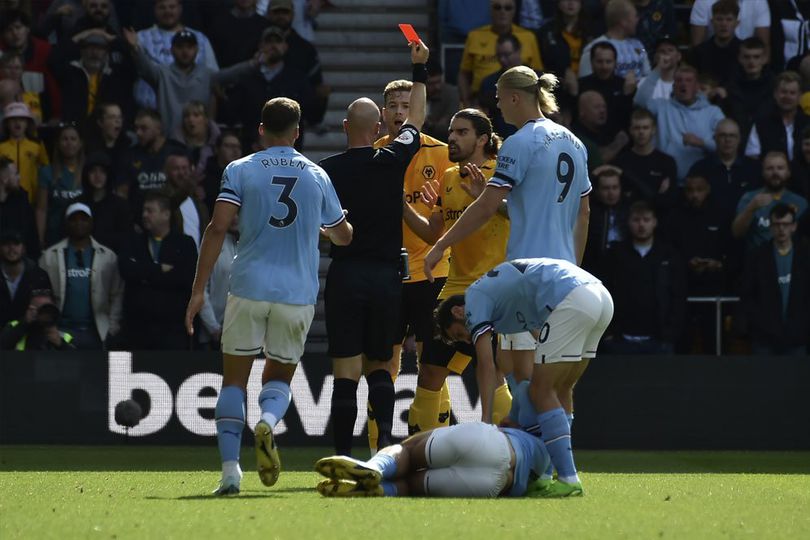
522 341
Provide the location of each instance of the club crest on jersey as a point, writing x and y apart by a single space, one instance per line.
429 172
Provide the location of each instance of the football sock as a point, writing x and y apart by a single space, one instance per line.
424 411
389 489
230 419
381 399
274 399
444 408
511 381
344 414
371 425
501 404
385 463
556 435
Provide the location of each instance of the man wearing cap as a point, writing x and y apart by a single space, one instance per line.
666 60
87 287
22 148
156 42
184 79
21 277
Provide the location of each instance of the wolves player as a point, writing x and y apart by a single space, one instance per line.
473 459
569 309
283 200
471 141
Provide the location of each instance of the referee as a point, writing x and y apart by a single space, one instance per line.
364 283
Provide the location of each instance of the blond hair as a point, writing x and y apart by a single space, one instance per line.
525 79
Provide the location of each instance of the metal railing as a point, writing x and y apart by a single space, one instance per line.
718 302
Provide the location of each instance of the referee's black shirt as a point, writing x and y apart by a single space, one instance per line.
369 185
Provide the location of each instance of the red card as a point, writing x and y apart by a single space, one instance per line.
410 33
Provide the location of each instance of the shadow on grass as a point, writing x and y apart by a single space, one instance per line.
210 497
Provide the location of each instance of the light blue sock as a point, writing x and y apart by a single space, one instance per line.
230 419
384 463
511 382
557 437
389 489
274 399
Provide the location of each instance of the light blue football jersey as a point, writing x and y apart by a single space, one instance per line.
518 296
284 199
531 459
546 168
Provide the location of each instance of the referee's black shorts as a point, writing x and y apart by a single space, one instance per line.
362 308
418 302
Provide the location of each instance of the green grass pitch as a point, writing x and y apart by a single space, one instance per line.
162 493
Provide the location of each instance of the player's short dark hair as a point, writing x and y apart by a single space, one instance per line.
482 126
641 207
640 113
159 197
280 115
781 210
11 16
752 42
605 46
726 7
400 85
509 38
443 314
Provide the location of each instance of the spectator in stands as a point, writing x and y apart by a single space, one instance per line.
10 92
87 287
561 40
648 173
274 78
38 330
158 269
22 278
608 223
776 289
199 133
106 135
228 148
702 237
646 278
60 184
752 88
189 214
780 125
717 56
685 110
754 20
29 88
754 207
621 18
143 167
729 173
236 32
656 18
15 36
442 103
216 291
22 146
508 51
666 59
303 55
458 17
64 18
618 92
16 212
591 128
800 168
93 79
156 42
479 59
183 80
790 37
112 218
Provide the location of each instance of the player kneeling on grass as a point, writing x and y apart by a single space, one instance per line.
466 460
569 309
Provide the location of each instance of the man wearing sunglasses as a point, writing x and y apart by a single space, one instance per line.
479 59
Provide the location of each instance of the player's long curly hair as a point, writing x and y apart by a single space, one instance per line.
482 126
525 79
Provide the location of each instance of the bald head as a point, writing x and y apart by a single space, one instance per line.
592 109
362 114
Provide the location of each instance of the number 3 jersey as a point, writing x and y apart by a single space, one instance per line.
546 168
284 199
518 296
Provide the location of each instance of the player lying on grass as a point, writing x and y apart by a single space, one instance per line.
466 460
568 309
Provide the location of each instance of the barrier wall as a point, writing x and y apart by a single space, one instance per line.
677 402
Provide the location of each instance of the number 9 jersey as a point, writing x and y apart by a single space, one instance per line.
545 167
284 199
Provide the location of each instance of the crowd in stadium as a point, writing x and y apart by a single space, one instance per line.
114 141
